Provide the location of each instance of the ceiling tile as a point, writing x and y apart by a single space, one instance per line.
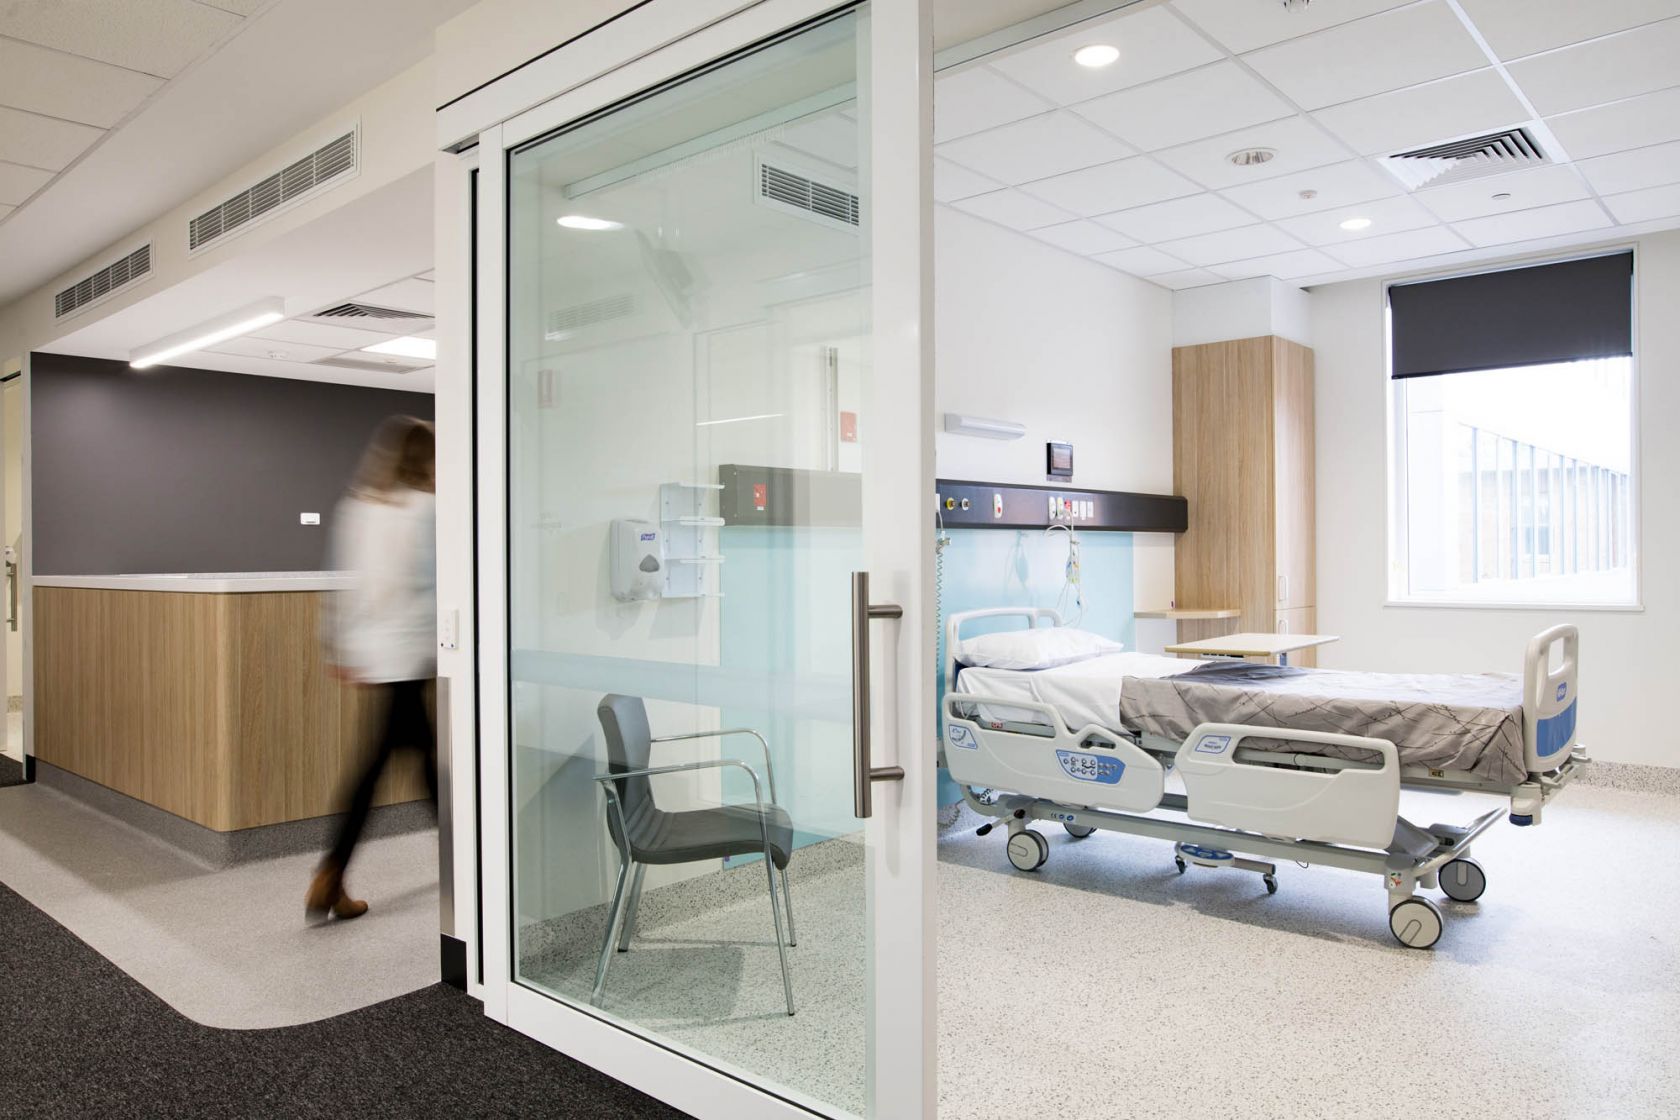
254 347
1338 184
952 181
1529 225
830 137
1635 170
4 210
1084 238
1232 245
1514 28
1299 145
1386 215
322 334
1204 102
1013 209
1189 278
404 295
159 37
1120 185
1243 27
1370 56
67 87
1645 205
976 99
18 183
43 142
1285 266
1536 186
1479 101
1623 65
1180 217
239 7
1621 125
1142 261
1153 43
1035 148
1412 245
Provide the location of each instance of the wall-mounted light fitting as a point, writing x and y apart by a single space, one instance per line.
985 429
235 323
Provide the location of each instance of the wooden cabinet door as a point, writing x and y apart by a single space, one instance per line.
1299 620
1292 474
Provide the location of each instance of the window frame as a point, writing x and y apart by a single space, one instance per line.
1396 464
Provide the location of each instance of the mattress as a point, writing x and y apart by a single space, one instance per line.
1082 693
1467 722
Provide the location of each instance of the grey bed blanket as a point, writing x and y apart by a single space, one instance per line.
1446 722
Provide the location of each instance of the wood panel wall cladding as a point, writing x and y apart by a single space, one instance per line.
216 708
1243 457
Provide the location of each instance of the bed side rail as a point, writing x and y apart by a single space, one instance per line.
1549 698
954 625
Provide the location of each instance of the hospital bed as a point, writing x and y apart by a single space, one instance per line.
1298 764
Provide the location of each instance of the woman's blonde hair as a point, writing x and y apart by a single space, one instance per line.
401 456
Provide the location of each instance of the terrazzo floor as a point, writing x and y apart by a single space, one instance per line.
1106 985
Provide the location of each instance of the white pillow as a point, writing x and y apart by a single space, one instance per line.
1038 648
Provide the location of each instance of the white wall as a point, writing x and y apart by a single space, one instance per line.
1621 651
1073 350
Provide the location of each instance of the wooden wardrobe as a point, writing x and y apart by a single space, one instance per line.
1243 456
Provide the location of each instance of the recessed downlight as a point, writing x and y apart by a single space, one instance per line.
1354 225
584 221
1252 157
1097 55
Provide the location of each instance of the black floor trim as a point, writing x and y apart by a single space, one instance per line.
83 1040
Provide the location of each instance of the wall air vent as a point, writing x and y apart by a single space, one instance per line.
786 189
1473 157
326 164
565 322
113 277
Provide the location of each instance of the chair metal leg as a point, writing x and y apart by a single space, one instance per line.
781 945
787 901
631 909
607 941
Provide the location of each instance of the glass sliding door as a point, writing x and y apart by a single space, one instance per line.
694 427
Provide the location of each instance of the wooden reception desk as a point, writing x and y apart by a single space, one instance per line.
203 695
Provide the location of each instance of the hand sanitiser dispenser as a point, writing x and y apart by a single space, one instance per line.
638 570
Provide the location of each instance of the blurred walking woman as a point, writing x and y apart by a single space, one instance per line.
380 634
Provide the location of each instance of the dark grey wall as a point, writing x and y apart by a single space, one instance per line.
186 470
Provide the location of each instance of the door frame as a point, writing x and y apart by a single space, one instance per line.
652 43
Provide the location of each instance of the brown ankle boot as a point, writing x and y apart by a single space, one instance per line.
326 896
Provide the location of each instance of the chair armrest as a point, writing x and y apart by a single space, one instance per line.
608 779
769 768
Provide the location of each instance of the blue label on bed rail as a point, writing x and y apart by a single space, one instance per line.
1091 767
1213 744
959 736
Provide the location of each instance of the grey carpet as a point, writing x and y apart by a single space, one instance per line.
11 772
84 1041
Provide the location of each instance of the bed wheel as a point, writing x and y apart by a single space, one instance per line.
1078 831
1271 883
1415 923
1182 866
1028 850
1463 880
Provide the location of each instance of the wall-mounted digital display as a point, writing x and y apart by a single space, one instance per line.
1058 460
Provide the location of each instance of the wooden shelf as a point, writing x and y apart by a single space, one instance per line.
1194 613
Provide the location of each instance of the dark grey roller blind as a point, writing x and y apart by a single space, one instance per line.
1547 313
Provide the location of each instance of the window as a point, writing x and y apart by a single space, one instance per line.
1513 483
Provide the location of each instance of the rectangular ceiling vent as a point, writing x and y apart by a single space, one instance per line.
352 312
1474 157
113 277
326 164
565 322
806 196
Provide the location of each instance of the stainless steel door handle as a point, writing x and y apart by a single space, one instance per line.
864 773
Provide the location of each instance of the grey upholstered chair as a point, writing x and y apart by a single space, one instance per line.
646 834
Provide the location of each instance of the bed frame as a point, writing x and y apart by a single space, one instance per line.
1247 790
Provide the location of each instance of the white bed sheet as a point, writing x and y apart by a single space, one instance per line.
1084 692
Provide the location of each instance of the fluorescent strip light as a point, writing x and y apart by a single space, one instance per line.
738 419
219 329
583 221
408 346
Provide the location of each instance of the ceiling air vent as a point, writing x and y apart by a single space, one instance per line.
322 166
114 276
1474 157
786 189
354 311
